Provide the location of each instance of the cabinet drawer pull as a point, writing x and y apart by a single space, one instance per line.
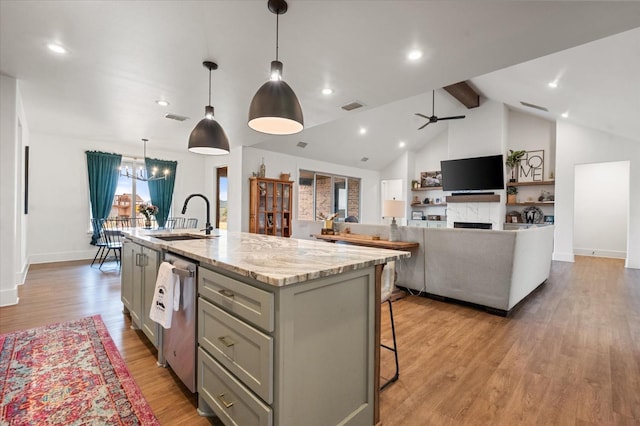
226 293
226 341
225 403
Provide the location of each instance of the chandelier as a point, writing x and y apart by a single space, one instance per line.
141 172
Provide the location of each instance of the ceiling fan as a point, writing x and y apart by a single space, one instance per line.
434 118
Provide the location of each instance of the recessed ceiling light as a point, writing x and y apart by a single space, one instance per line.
414 55
57 48
363 130
401 144
327 91
162 102
565 114
553 84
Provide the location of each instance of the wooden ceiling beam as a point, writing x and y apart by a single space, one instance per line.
464 94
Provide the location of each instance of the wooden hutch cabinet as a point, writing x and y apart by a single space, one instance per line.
270 206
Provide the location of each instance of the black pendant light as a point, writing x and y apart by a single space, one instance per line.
275 108
208 137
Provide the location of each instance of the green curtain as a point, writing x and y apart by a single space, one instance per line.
103 169
161 190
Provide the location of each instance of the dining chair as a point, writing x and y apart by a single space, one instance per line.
112 229
192 222
174 223
101 242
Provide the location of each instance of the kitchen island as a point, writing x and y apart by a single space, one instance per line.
287 330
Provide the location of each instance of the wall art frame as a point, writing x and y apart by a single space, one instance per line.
531 167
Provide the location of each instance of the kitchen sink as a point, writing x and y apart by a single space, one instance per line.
181 237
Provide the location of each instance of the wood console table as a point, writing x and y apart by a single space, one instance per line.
365 240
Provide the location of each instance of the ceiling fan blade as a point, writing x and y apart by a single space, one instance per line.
451 118
424 125
421 115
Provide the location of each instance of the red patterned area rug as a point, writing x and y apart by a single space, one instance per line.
68 374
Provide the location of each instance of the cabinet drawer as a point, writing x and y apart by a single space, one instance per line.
241 348
227 397
248 302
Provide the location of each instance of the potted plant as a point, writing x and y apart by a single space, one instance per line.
512 191
512 161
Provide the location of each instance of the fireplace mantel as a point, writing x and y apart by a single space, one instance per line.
474 198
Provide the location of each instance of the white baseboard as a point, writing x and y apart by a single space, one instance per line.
563 257
21 276
631 265
62 256
9 297
600 253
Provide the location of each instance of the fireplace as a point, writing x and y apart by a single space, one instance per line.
472 225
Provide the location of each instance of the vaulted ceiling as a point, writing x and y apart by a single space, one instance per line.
124 55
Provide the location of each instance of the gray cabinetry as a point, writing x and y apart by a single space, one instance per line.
126 275
273 355
139 273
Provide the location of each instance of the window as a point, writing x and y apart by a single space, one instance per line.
325 194
130 193
221 199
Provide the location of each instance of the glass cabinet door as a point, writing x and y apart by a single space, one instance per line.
262 197
270 207
286 195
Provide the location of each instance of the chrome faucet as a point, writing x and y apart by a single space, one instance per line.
208 227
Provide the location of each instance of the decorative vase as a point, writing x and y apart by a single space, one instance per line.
511 198
147 223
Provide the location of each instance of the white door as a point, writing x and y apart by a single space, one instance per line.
391 189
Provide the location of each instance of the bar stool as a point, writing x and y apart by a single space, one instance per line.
387 292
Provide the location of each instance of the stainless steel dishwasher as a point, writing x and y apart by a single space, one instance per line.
178 345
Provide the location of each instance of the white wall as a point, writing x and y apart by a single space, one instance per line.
398 171
276 163
59 209
530 133
601 209
8 188
482 132
14 136
581 145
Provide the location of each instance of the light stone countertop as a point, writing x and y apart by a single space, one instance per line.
273 260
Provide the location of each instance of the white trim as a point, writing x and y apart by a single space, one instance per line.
21 276
62 256
9 297
563 257
616 254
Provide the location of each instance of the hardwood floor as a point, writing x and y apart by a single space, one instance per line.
570 355
65 291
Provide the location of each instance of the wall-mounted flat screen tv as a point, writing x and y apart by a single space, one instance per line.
473 174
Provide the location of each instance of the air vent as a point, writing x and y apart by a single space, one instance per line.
302 144
541 108
363 159
175 117
351 106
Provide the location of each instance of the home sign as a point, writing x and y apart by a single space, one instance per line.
531 167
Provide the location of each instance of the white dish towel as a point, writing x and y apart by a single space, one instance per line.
166 297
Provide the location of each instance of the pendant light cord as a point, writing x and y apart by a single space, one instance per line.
277 32
209 85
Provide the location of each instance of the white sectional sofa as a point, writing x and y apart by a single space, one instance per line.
493 269
496 269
